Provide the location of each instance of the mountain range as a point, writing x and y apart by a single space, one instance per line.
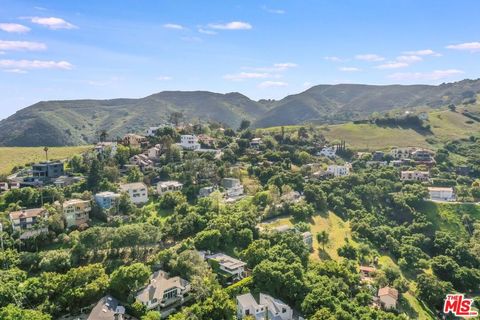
77 122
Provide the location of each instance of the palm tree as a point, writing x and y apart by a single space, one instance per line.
46 152
322 237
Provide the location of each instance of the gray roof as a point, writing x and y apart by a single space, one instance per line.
106 309
159 283
246 300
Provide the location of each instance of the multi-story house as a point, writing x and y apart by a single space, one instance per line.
205 191
134 141
163 292
189 142
339 171
75 211
231 267
48 170
329 152
233 187
387 298
106 148
25 219
137 191
107 200
441 194
168 186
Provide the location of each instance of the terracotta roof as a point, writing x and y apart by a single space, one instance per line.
387 291
27 213
368 269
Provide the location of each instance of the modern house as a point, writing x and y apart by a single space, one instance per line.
65 181
441 194
233 187
268 308
142 161
168 186
137 191
388 297
189 142
107 200
378 156
75 211
48 170
339 171
107 308
414 175
163 292
25 219
402 153
231 268
152 131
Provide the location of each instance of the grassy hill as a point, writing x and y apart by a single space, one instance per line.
11 157
445 125
76 122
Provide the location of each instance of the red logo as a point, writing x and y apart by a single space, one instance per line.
459 306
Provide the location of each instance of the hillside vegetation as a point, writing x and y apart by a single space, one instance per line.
76 122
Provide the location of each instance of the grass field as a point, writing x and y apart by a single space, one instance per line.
445 125
11 157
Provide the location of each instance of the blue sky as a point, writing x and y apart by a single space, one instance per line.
263 49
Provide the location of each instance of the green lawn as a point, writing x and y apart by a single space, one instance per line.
20 156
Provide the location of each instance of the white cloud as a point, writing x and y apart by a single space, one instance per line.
246 75
277 67
409 58
164 78
14 28
349 69
392 65
424 52
284 66
206 31
272 84
467 46
434 75
53 23
191 39
333 59
275 11
22 45
307 84
173 26
34 64
19 71
369 57
234 25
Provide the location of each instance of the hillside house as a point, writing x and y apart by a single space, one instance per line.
230 268
152 131
155 152
137 191
4 187
378 156
205 191
441 194
142 161
107 308
168 186
48 170
233 187
329 152
23 220
255 143
189 142
134 141
339 171
65 181
75 211
107 200
206 140
267 308
388 297
402 153
367 273
105 148
414 175
163 292
308 239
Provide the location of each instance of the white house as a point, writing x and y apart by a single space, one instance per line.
168 186
152 131
388 297
329 152
75 211
137 191
268 308
106 146
229 265
163 291
107 199
205 191
441 194
414 175
255 143
339 171
189 142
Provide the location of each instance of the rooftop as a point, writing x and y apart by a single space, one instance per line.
106 309
227 261
387 291
27 213
160 282
135 185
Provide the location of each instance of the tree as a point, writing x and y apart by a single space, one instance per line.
431 290
127 279
152 315
12 312
208 240
322 237
348 251
244 124
134 175
94 175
